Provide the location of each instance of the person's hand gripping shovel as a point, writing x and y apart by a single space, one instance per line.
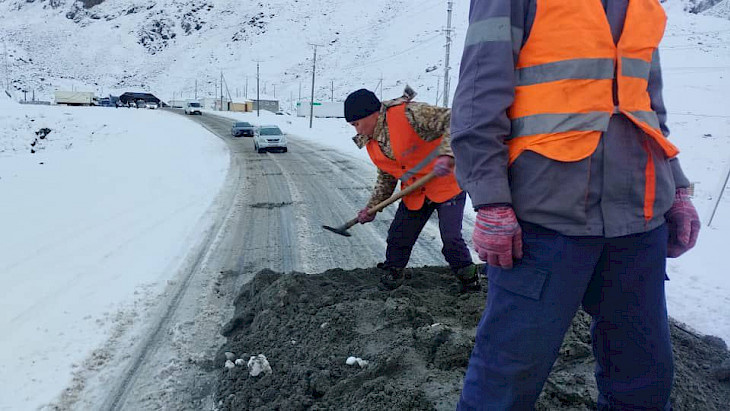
342 230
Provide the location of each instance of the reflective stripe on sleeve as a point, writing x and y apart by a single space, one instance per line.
491 29
592 68
558 123
635 68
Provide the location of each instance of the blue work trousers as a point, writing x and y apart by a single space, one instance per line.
407 225
620 283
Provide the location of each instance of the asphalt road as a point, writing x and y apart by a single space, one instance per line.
268 215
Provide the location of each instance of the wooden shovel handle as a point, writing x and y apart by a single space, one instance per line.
395 197
402 193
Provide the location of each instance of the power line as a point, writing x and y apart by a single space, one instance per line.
410 15
691 46
699 115
371 62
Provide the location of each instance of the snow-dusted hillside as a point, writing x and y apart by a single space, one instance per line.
164 46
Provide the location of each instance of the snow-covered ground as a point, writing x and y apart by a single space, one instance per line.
94 225
696 59
97 220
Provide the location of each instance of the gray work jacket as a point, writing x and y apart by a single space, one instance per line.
602 195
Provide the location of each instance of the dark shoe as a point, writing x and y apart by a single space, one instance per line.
391 277
468 278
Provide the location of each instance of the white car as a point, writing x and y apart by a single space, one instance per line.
269 138
152 105
193 107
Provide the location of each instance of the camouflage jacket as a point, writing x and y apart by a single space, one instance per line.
430 122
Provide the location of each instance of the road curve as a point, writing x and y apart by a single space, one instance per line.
268 215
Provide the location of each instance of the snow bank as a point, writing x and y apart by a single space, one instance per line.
96 218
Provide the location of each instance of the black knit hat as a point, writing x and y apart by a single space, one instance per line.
360 104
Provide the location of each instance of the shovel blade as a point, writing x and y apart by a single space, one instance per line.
339 230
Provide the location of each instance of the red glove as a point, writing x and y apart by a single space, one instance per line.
497 236
364 217
443 166
683 223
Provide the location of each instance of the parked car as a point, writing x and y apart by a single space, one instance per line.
193 107
269 138
141 104
243 129
151 105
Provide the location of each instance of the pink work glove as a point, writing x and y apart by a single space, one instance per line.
683 224
497 236
363 216
444 166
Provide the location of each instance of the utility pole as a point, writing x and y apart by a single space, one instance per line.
381 86
314 71
332 89
221 90
196 90
245 94
274 90
446 59
300 92
258 102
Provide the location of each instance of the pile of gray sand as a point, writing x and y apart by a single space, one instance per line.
416 341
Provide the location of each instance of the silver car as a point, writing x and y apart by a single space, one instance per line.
243 128
269 138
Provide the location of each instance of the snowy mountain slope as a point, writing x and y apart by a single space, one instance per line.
164 46
720 9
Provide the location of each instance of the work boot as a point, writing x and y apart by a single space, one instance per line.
469 278
391 277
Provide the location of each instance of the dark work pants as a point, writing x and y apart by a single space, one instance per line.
407 225
619 282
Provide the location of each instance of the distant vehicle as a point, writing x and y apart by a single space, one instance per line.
141 104
105 102
243 129
151 105
74 98
268 138
335 109
280 113
193 107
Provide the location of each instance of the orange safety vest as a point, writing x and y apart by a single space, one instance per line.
565 75
414 158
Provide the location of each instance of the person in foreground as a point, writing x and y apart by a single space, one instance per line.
406 140
558 130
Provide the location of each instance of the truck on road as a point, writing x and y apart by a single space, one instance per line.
74 98
322 109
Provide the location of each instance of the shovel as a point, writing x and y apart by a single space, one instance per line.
342 230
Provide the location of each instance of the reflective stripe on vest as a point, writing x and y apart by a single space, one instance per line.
414 158
565 74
